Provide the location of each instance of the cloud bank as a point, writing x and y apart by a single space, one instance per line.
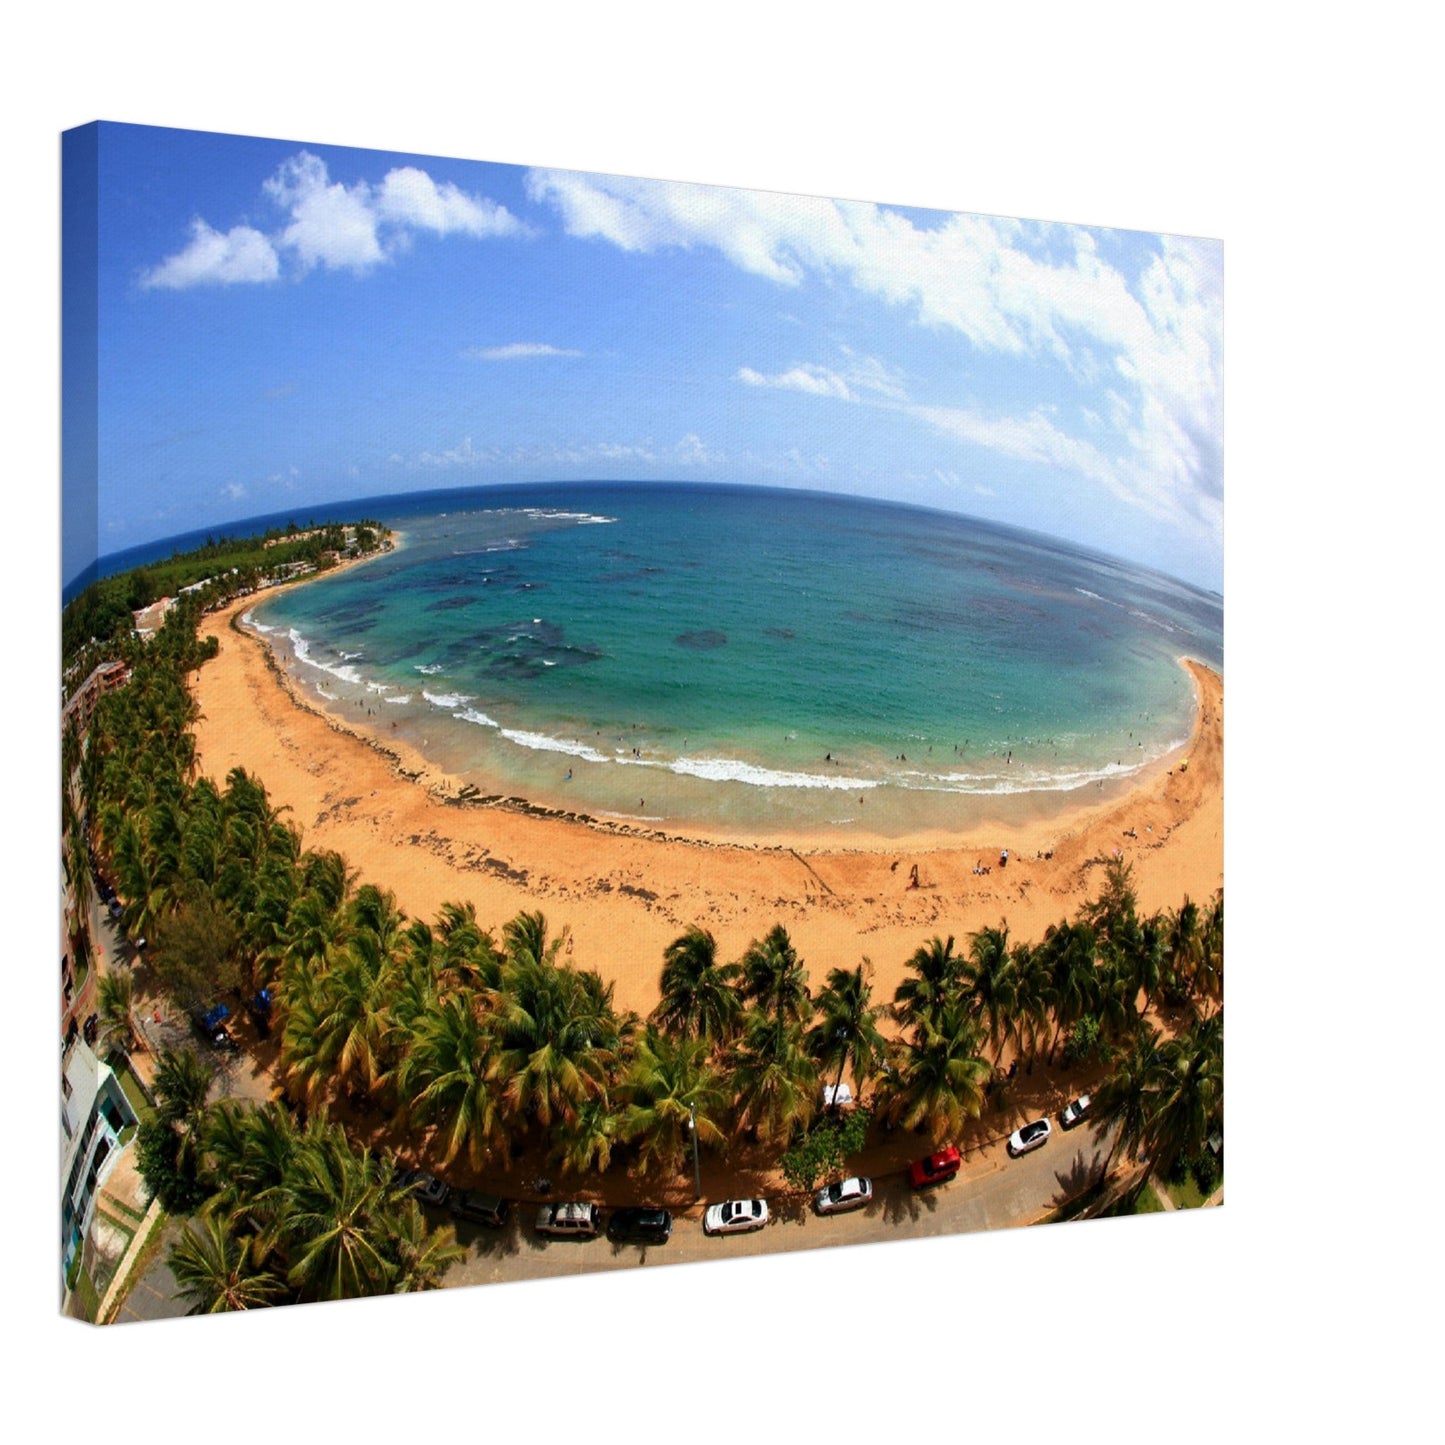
1147 349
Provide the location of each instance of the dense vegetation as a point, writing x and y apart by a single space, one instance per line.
481 1046
100 617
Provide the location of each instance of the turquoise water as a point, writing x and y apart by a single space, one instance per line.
749 660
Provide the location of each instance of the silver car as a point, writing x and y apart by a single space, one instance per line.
573 1219
846 1194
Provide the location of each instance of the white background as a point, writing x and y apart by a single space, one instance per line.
1311 146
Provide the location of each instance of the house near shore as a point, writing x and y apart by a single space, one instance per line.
149 620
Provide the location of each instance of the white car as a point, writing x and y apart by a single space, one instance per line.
1031 1136
846 1194
1071 1114
735 1216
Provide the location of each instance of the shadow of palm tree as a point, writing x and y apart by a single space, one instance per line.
1083 1173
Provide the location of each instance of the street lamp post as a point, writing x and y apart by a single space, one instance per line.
696 1167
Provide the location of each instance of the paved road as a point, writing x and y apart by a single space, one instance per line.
993 1192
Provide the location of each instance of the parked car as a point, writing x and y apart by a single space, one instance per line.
640 1225
846 1194
1031 1136
570 1219
837 1096
938 1168
211 1025
1072 1113
735 1216
425 1187
480 1208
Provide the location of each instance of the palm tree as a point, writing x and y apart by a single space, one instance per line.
115 997
1189 1103
422 1255
215 1271
940 1079
331 1218
773 977
669 1083
248 1152
525 937
1209 974
847 1028
1033 998
1070 950
991 986
698 996
1125 1100
181 1083
449 1077
775 1079
557 1040
583 1144
937 983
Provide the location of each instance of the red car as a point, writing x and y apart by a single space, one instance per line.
936 1169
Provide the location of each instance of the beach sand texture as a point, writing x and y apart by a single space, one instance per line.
625 895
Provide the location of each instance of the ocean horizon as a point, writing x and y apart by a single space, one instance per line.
748 660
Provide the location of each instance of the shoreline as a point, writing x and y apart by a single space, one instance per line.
624 891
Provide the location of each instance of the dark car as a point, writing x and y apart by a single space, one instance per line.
938 1168
211 1025
488 1209
640 1225
425 1187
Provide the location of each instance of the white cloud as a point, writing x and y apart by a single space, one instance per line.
409 197
331 225
234 490
517 351
865 375
214 259
811 380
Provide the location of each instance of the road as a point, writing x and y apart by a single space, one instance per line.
992 1192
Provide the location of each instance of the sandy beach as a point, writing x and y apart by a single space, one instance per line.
625 895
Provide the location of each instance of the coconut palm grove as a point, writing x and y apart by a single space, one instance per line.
456 1044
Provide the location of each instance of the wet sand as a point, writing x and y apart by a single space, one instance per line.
625 894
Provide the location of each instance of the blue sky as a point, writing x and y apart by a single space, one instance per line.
282 325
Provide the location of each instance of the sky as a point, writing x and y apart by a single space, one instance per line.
280 324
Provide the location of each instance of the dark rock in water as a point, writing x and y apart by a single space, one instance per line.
786 633
447 604
701 641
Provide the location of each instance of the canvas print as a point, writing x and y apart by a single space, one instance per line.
614 722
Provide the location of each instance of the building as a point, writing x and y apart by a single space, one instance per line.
94 1114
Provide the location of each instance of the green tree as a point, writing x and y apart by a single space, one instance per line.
939 1083
668 1082
846 1032
991 985
699 999
215 1270
194 953
449 1077
936 985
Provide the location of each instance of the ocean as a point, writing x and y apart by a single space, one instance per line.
748 661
